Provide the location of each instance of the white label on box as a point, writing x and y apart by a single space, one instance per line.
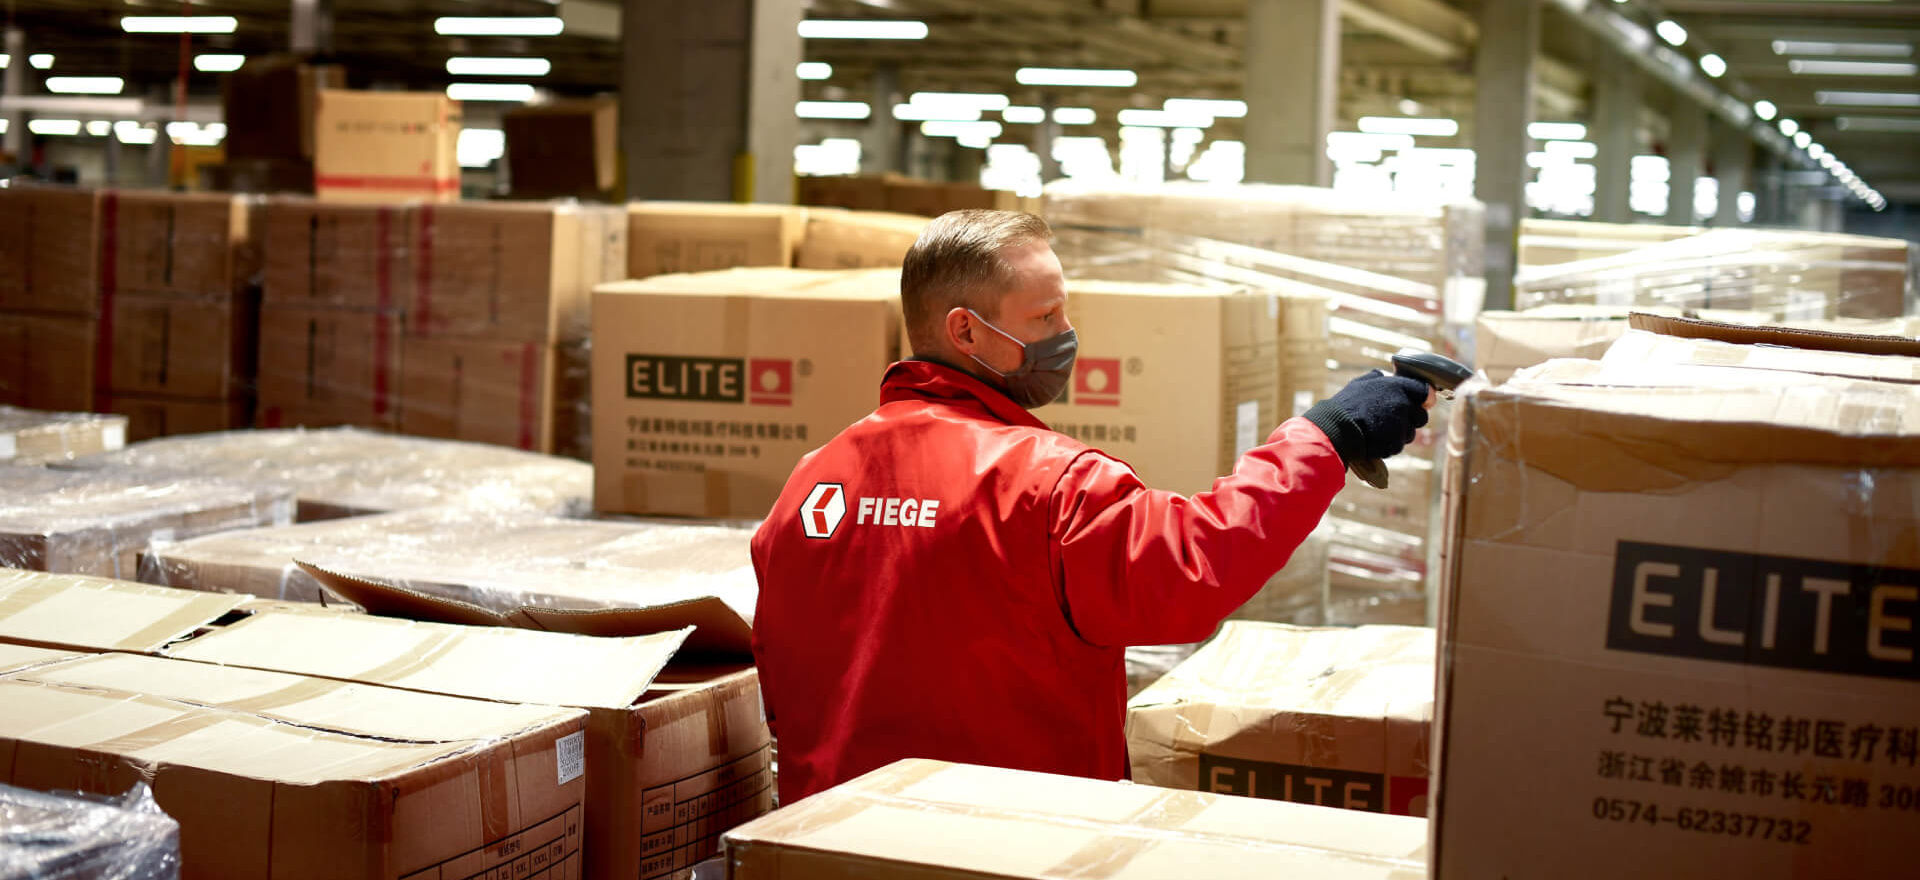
114 437
571 753
8 447
1273 307
1246 434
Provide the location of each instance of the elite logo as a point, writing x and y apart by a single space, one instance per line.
825 507
760 381
1096 382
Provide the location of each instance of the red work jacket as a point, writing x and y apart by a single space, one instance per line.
950 579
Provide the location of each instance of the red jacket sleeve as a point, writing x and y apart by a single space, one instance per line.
1139 566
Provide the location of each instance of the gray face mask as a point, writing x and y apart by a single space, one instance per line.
1045 367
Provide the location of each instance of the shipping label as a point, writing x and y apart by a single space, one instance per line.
681 822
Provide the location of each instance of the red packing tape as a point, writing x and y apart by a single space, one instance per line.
528 376
423 263
109 281
382 331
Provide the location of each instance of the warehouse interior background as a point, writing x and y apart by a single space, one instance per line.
1713 112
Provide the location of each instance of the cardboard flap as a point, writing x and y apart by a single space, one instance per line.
1638 349
1792 337
97 614
717 628
18 658
389 600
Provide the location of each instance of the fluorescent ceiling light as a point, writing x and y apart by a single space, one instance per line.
1672 32
1817 152
85 85
814 70
179 24
1075 115
1418 127
1572 149
1163 119
1557 131
1216 108
1063 76
218 63
942 128
482 26
1764 110
1789 127
519 92
959 100
974 141
1713 65
130 132
1867 99
1853 68
1024 115
54 126
1357 140
1802 139
1877 123
40 61
1868 50
832 110
479 147
920 113
99 127
499 66
816 29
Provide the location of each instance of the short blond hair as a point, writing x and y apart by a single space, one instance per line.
956 263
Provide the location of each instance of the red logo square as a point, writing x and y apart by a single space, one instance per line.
770 382
1096 381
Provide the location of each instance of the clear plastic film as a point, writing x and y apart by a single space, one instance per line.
61 837
99 521
347 472
29 436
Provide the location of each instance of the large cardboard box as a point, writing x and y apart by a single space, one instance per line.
1332 717
374 147
270 103
563 148
669 237
148 417
50 250
169 345
324 366
504 393
672 760
358 256
98 522
48 361
1552 242
1175 380
928 820
1698 582
70 612
518 272
857 239
710 387
852 193
185 244
36 436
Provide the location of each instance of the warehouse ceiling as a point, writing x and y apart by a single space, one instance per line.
1392 51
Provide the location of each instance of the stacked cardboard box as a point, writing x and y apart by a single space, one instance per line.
710 387
1694 564
36 437
59 837
1553 242
670 237
1333 717
852 193
50 297
933 820
906 195
562 149
383 147
338 473
269 108
857 239
99 521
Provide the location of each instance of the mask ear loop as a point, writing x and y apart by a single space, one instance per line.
1026 359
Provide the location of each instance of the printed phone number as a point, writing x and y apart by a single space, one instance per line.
1719 822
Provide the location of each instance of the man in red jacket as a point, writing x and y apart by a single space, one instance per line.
950 579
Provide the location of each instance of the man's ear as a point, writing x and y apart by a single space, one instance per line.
959 329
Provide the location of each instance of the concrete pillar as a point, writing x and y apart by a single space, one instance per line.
14 85
965 164
706 99
1770 203
1616 118
160 155
1502 108
1686 158
310 32
1292 81
1732 166
880 143
1044 135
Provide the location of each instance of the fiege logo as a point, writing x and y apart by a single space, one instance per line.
758 381
826 506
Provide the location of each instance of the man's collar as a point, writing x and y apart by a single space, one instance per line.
927 378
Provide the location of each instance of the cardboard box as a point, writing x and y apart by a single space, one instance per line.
1177 381
852 193
167 345
1304 351
50 250
671 761
669 237
258 797
270 106
47 361
151 417
260 176
1896 336
375 147
518 272
928 819
355 256
1642 348
321 367
1698 582
98 522
1331 717
502 393
35 436
71 612
710 387
19 658
184 244
857 239
564 148
1552 242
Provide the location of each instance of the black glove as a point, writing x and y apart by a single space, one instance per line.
1373 417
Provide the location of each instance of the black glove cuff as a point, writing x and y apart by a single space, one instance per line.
1332 419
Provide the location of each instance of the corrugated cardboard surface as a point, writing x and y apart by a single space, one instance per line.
857 239
37 436
564 148
149 417
168 345
48 361
1673 637
502 271
96 614
1333 717
17 658
338 255
269 106
386 146
1176 381
326 366
710 387
927 819
49 250
186 244
854 193
668 237
1643 347
504 393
